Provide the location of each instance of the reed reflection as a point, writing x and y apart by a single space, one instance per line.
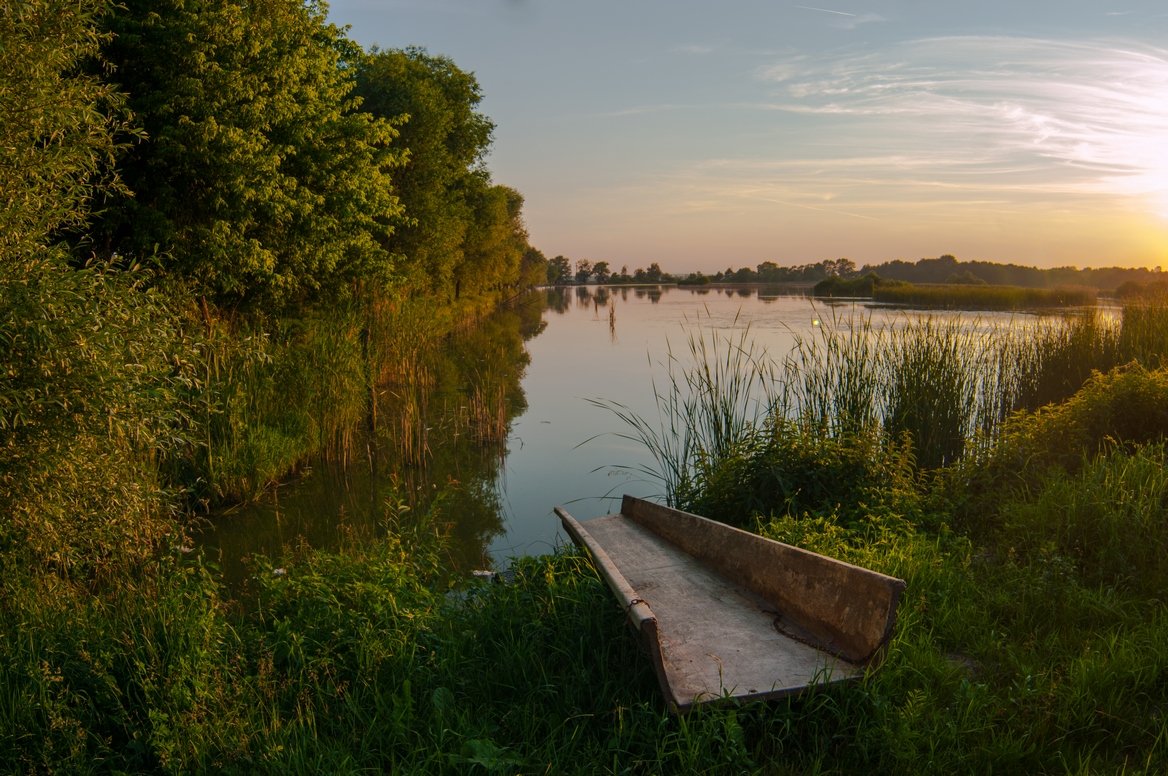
442 419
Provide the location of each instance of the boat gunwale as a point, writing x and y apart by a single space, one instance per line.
823 639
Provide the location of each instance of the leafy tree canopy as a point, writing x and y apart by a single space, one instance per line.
258 179
57 124
433 104
496 240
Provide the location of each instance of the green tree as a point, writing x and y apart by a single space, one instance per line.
767 272
434 106
533 269
601 272
91 363
495 242
57 125
259 179
559 270
583 270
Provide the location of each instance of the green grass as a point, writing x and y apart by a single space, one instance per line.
713 396
1004 659
1032 636
979 297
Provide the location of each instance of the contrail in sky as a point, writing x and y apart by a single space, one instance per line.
824 10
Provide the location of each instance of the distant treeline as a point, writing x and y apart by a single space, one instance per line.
943 270
948 269
560 272
1121 281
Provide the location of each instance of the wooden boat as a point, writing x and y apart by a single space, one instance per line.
727 614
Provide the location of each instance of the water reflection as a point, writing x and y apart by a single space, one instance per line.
441 431
558 299
453 422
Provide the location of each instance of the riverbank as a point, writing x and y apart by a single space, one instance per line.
1032 636
1036 644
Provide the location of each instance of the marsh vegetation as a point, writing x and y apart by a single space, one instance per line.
219 266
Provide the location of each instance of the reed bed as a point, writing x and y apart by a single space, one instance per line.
930 388
276 392
487 417
981 297
831 379
946 386
1143 334
941 384
715 394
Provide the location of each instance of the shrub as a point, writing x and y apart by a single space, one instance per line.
89 405
787 470
1124 408
1107 519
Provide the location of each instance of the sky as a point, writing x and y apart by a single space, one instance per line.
705 135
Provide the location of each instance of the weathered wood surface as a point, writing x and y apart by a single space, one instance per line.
729 614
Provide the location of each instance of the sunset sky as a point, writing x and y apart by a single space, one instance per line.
706 135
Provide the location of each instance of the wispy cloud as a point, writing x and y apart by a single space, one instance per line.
824 10
1032 114
948 134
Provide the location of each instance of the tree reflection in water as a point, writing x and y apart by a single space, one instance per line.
441 435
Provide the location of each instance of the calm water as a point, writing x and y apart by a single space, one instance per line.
580 343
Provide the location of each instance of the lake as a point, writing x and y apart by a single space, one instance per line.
551 353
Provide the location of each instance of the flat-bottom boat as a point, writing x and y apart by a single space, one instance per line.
727 614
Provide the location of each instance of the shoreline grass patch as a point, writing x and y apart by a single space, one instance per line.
982 297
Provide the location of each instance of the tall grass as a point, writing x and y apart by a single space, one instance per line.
487 416
946 385
938 382
1061 356
979 297
276 392
714 396
1143 334
831 380
405 376
930 388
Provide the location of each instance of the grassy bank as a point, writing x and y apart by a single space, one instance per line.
1038 645
1032 637
954 296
